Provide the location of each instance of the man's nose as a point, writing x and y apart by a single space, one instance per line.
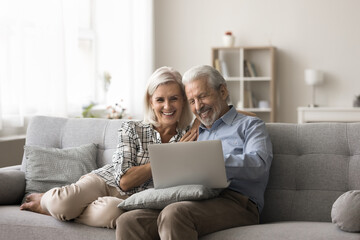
198 105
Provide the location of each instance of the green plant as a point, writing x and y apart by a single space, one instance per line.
86 113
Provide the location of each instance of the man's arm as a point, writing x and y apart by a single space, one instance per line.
255 159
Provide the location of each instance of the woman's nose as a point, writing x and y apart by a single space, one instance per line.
166 104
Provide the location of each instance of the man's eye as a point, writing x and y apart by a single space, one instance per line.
202 97
173 99
191 102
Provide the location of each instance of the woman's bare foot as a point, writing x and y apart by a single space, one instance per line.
32 203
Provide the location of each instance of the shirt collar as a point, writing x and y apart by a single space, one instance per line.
227 118
175 138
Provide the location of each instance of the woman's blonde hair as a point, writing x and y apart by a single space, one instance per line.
165 75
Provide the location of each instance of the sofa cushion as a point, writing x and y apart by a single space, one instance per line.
345 212
53 167
16 224
284 231
159 198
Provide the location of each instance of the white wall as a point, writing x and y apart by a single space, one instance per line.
320 34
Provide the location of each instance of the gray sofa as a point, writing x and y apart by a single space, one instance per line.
313 165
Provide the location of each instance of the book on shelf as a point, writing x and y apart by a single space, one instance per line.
249 69
246 69
217 65
224 69
253 69
221 67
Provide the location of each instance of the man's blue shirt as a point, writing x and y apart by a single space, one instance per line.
247 152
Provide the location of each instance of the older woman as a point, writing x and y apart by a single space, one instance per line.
93 199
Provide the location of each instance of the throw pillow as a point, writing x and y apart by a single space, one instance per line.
47 168
345 211
159 198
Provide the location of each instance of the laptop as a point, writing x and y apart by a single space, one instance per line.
188 163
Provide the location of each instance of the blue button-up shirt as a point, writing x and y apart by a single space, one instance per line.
247 152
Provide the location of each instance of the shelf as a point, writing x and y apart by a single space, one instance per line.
248 79
256 109
257 79
250 76
232 79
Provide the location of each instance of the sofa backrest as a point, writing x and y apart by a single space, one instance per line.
313 165
73 132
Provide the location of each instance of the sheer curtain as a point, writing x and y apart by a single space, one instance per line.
33 70
40 62
125 33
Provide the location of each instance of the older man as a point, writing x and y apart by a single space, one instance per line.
247 153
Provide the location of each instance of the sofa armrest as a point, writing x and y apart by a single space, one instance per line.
12 185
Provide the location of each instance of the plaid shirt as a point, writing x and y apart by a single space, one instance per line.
132 150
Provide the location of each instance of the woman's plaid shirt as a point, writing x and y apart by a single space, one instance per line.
134 137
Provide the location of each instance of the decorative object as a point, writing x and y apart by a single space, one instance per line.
116 112
313 78
239 105
228 39
264 104
356 102
107 80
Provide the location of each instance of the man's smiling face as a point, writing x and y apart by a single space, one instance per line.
205 102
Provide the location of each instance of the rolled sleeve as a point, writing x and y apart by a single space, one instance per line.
124 157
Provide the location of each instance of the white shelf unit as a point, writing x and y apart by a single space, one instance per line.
247 91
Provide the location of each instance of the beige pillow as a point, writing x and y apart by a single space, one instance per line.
345 212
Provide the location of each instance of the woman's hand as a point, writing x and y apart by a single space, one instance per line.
193 133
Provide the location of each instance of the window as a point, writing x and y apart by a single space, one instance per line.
53 53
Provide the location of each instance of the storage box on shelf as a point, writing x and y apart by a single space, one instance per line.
250 76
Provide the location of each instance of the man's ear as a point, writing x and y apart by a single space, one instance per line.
224 93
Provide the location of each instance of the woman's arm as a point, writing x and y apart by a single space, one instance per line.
131 171
135 176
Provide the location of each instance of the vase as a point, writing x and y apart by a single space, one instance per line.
228 40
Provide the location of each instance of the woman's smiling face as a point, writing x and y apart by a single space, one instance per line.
167 103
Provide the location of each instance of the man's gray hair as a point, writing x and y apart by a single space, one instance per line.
214 78
165 75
